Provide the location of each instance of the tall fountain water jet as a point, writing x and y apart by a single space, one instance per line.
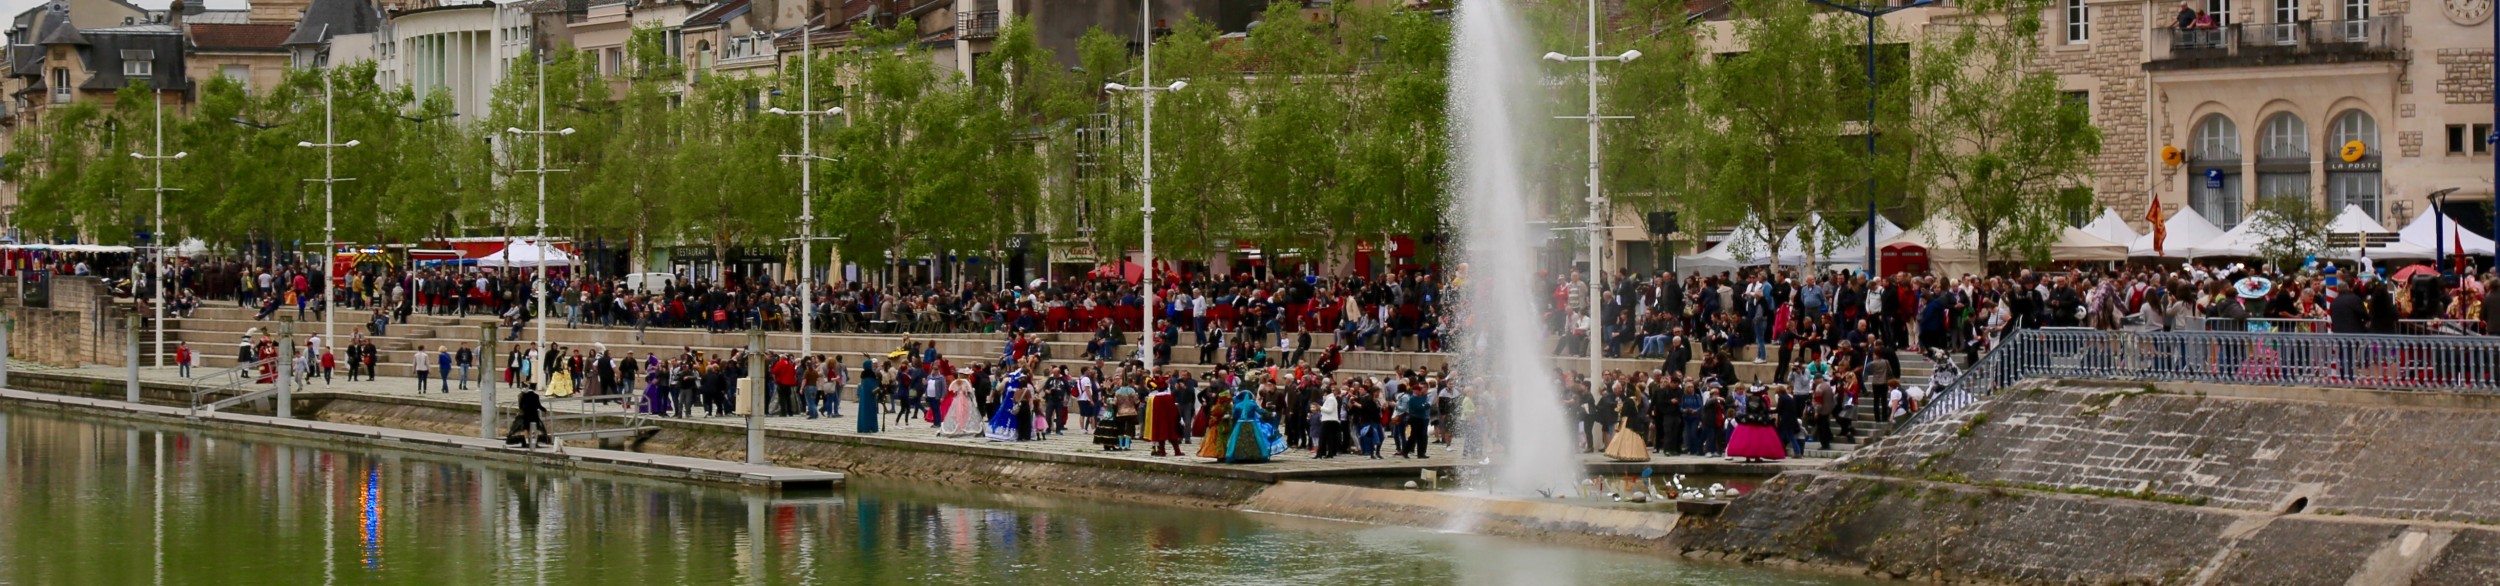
1497 115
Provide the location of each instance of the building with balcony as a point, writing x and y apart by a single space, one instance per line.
2344 102
464 50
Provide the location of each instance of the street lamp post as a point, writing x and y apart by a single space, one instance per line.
1146 176
1871 13
1596 199
158 235
329 229
538 282
807 188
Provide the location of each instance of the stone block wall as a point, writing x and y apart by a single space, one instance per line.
2465 76
2056 482
82 327
2360 457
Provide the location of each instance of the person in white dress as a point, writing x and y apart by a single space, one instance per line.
962 410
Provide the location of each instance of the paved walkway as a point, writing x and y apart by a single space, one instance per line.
1076 443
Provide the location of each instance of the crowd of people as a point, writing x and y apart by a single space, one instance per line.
1259 388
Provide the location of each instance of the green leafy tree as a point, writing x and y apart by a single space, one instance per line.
2289 228
1998 138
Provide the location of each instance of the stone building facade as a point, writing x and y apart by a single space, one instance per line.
2368 103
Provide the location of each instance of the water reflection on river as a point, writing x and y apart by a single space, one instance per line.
103 502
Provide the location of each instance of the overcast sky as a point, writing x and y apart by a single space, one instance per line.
17 6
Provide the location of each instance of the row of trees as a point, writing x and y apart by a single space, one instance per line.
1300 135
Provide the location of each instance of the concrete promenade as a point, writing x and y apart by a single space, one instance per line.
617 461
1077 444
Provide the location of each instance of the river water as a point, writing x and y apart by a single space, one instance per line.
111 502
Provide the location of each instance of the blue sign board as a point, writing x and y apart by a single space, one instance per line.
2213 179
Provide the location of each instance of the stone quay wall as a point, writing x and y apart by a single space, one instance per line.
82 326
2073 482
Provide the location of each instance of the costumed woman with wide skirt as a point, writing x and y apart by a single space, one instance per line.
1253 440
960 417
1218 421
868 396
1002 426
559 382
1756 439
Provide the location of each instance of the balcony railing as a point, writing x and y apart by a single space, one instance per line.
980 24
2287 43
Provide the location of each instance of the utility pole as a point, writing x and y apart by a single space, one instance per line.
1597 199
1146 175
329 228
158 236
538 283
807 185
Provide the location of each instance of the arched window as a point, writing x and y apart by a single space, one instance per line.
2353 125
2217 139
2354 182
2214 190
2283 157
2283 136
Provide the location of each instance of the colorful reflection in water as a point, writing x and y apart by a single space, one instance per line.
77 507
369 516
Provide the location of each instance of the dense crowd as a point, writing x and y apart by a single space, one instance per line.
1832 341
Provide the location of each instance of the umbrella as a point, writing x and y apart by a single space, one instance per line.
2411 271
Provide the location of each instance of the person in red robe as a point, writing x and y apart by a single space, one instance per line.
1163 420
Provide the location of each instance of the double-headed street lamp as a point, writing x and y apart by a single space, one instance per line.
1146 176
1871 12
158 235
1596 199
329 230
539 282
807 196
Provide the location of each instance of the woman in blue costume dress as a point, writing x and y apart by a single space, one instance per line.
1002 426
868 396
1253 438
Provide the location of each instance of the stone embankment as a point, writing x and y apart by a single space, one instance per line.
2069 482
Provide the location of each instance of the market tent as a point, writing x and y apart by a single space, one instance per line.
1943 242
526 254
1725 255
2240 241
2110 227
1852 249
2427 232
2354 221
2187 229
2077 244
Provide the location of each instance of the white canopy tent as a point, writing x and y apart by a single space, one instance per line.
2110 227
1744 248
1944 241
2426 231
2187 229
526 254
1852 250
2354 221
2078 244
2239 241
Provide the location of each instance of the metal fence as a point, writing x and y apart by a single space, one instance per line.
2363 361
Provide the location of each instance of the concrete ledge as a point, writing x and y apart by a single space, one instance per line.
1630 528
609 461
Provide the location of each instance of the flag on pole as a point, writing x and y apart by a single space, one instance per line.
2160 232
2458 237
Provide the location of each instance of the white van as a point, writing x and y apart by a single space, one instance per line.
649 283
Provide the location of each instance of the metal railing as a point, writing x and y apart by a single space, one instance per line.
2360 361
2268 324
977 24
238 377
2270 42
2442 327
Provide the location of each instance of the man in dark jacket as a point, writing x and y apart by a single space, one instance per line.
2350 313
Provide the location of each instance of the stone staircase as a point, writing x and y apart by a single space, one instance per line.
1867 423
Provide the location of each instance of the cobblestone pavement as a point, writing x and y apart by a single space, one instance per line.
1075 442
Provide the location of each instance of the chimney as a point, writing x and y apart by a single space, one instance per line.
173 17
